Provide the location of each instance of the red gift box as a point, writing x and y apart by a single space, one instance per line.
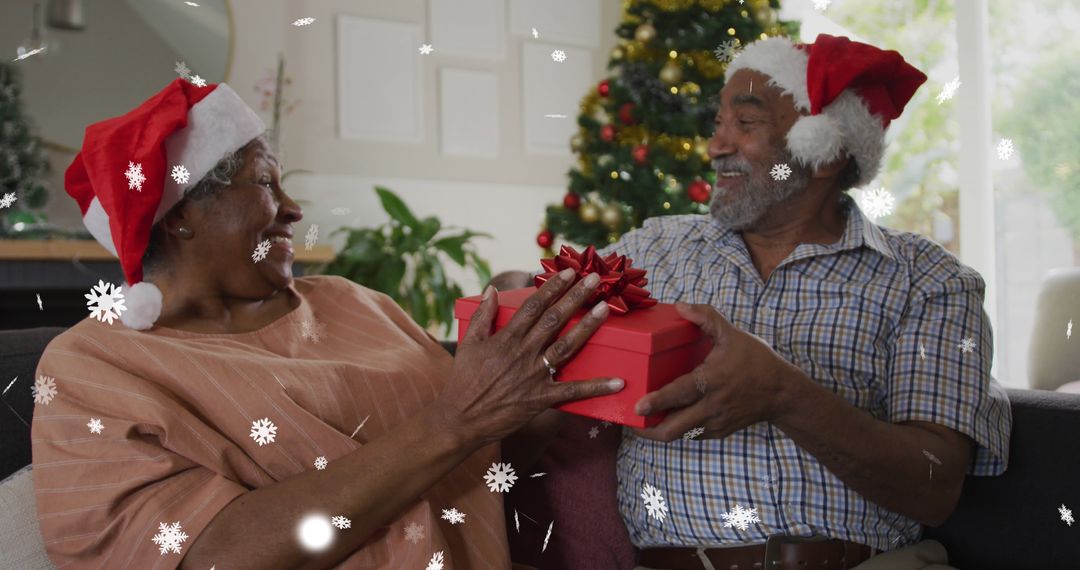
647 344
647 348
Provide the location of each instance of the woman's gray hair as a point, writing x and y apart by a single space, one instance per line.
208 187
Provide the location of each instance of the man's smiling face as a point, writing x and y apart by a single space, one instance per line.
750 138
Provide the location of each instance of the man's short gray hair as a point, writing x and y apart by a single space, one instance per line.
208 187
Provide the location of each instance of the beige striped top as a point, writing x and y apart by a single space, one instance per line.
152 428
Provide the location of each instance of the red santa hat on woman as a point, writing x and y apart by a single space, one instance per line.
131 171
851 91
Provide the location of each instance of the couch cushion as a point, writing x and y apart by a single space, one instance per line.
1012 521
21 545
20 351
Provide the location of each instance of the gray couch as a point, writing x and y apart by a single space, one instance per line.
1008 522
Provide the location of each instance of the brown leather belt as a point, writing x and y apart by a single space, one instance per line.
780 553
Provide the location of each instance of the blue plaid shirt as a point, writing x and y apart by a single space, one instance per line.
888 320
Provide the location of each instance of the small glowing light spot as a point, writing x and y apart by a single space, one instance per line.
614 175
673 54
674 90
731 31
667 205
315 533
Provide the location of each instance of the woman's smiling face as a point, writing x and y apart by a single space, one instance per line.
253 209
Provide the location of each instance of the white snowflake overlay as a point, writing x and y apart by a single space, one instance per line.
263 431
1066 515
547 536
1068 330
44 390
948 91
426 49
1005 149
105 302
693 433
740 518
500 477
654 502
967 346
436 562
593 432
312 330
727 51
198 81
876 202
340 522
821 4
340 211
453 516
134 175
260 251
780 172
8 200
414 532
312 237
180 174
321 462
169 537
182 70
558 56
95 426
304 22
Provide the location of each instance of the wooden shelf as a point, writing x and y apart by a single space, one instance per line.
90 250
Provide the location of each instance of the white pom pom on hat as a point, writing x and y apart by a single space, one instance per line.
182 125
851 90
143 302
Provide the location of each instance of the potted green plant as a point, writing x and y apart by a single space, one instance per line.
405 258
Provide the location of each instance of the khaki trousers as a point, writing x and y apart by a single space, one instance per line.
925 555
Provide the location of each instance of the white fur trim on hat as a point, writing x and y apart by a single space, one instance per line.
784 63
816 140
218 125
143 301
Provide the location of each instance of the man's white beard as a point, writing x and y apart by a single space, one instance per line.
758 194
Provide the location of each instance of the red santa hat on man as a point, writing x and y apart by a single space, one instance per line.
122 178
851 91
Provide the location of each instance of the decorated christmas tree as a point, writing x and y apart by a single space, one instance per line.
643 131
23 162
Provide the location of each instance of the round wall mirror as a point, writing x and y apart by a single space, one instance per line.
105 57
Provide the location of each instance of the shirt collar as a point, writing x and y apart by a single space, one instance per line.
858 231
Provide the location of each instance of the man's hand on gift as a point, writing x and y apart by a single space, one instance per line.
741 382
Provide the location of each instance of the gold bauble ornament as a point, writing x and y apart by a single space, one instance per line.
611 216
589 213
576 143
645 33
671 73
617 53
690 89
702 147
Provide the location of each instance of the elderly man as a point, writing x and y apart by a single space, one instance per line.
848 392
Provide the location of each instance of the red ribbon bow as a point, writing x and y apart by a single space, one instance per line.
620 285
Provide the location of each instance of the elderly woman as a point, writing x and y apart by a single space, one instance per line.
240 418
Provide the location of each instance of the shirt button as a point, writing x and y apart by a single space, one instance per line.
765 312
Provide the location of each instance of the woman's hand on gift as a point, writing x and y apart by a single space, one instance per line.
742 381
500 381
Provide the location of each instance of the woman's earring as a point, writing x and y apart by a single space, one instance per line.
186 232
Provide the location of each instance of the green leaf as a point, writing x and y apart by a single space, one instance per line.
397 208
388 278
454 247
483 270
428 228
418 306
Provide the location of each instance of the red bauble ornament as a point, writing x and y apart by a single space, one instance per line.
626 114
603 88
607 133
545 238
699 191
571 201
640 154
